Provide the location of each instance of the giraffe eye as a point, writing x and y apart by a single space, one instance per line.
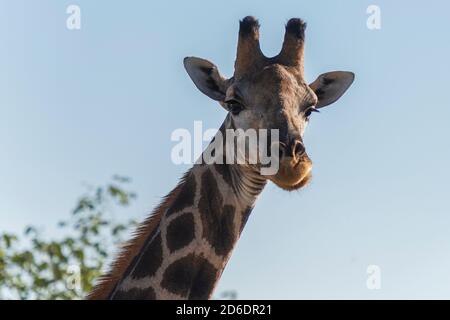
309 112
234 107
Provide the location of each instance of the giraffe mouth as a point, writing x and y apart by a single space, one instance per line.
302 183
293 176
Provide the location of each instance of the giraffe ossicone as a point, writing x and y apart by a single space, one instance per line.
181 250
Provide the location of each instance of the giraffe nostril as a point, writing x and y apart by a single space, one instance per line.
299 149
294 150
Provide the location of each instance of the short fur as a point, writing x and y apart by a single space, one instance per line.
107 282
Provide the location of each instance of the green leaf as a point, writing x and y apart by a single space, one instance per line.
35 267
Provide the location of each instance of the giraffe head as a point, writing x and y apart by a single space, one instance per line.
271 93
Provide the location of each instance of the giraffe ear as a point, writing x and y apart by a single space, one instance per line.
329 87
206 77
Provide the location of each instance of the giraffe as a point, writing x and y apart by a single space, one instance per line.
181 250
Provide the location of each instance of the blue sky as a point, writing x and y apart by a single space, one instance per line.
80 106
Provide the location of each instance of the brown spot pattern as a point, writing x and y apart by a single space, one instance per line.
185 197
136 294
224 171
217 220
150 261
245 216
192 277
181 232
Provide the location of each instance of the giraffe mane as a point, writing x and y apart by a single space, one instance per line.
107 282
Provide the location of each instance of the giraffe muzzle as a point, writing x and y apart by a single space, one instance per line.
294 150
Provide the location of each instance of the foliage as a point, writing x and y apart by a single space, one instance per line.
34 267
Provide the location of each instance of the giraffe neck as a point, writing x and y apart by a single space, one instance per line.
185 255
